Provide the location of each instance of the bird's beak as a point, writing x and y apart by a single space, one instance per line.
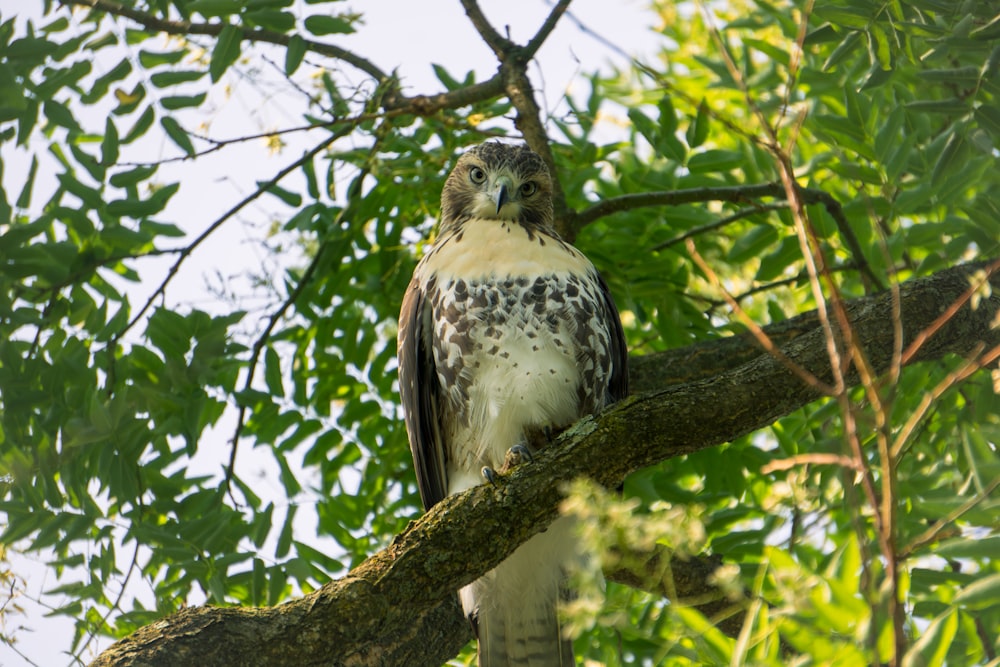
502 196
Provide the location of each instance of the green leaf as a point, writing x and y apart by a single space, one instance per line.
843 50
294 54
293 199
988 117
128 102
103 83
969 547
983 593
226 51
953 105
645 126
151 59
285 537
212 8
714 161
177 134
697 131
30 49
753 243
173 78
270 19
879 46
262 525
932 647
24 199
130 178
141 126
848 17
88 195
60 114
272 372
109 146
950 159
183 101
770 50
170 333
319 25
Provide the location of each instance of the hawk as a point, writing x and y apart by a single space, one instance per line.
507 335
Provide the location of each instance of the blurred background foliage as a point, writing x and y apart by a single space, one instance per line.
113 399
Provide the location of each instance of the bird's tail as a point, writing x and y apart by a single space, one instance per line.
513 607
522 638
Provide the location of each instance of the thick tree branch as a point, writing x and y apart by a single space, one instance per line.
398 607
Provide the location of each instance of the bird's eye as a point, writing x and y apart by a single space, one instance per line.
477 175
528 188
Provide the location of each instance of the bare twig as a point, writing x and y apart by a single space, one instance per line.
949 313
813 459
718 224
189 249
501 45
971 365
758 333
931 534
531 48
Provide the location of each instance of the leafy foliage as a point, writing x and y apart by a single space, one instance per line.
110 396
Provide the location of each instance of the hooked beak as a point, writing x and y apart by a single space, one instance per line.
502 196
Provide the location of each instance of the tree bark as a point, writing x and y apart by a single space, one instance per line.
399 606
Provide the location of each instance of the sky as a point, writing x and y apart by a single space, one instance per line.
403 36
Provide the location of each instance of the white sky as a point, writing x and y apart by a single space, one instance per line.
409 36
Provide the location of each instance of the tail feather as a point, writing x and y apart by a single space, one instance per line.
529 639
513 607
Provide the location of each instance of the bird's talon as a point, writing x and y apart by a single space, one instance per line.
516 455
522 451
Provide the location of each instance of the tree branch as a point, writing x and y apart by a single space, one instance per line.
154 23
393 101
398 607
736 194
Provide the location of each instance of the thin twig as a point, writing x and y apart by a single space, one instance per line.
718 224
501 45
814 459
758 333
189 249
931 534
974 363
949 313
95 628
531 48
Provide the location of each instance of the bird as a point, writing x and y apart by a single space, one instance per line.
507 335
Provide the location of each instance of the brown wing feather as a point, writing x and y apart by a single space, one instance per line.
618 382
419 391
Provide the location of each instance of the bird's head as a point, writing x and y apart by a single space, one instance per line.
496 181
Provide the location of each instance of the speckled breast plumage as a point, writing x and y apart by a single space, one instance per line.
520 357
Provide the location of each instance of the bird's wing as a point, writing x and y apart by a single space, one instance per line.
420 392
618 381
